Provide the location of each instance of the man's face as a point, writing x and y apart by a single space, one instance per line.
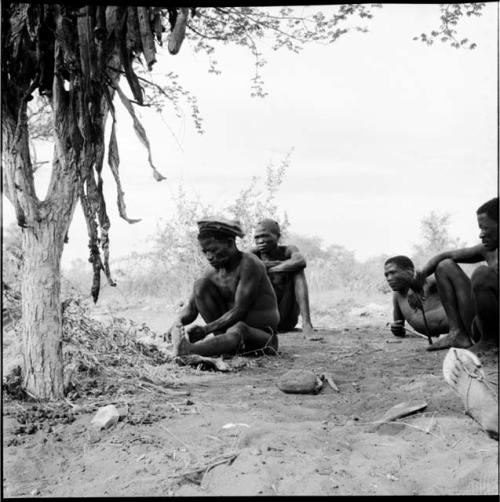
217 252
488 231
265 240
397 277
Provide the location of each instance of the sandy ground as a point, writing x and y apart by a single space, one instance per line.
238 434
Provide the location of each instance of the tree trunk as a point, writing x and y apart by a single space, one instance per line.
45 225
41 310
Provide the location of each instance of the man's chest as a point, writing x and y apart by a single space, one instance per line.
226 282
492 258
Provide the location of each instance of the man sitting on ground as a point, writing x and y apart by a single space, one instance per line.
471 304
399 272
234 297
285 267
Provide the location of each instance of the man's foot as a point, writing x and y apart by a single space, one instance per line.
484 348
452 339
179 342
462 371
309 333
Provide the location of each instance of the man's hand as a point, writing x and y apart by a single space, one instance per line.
397 328
196 333
270 263
168 334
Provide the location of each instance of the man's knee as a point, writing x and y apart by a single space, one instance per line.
201 286
484 277
444 267
300 277
238 328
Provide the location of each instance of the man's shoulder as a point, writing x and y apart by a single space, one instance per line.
288 247
398 296
286 250
251 259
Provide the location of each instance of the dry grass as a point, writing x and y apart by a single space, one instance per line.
101 356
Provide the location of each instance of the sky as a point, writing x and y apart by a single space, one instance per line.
384 130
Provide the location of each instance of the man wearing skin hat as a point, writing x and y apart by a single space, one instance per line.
285 267
234 297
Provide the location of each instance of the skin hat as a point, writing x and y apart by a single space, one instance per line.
221 225
270 226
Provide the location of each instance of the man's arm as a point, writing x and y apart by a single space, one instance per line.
397 315
251 273
397 326
188 314
294 262
473 254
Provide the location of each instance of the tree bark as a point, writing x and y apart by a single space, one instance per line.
41 309
45 224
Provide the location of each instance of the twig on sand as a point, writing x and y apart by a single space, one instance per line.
431 423
414 333
188 448
73 406
427 431
458 441
227 458
329 379
142 383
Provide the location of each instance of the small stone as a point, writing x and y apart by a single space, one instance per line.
299 382
106 417
123 412
34 492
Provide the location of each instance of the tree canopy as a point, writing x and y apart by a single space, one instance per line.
74 56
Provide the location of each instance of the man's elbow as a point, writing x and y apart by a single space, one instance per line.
301 264
239 313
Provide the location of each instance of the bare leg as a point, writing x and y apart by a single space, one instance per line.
208 300
485 297
302 298
238 336
288 309
454 289
462 371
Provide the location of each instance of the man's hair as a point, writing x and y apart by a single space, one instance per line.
270 225
490 208
213 234
401 261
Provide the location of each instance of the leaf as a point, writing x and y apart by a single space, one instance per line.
133 36
148 42
178 31
126 50
114 162
18 19
141 133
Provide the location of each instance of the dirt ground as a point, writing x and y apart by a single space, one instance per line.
236 433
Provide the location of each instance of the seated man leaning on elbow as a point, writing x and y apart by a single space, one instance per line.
471 304
285 267
234 297
399 272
